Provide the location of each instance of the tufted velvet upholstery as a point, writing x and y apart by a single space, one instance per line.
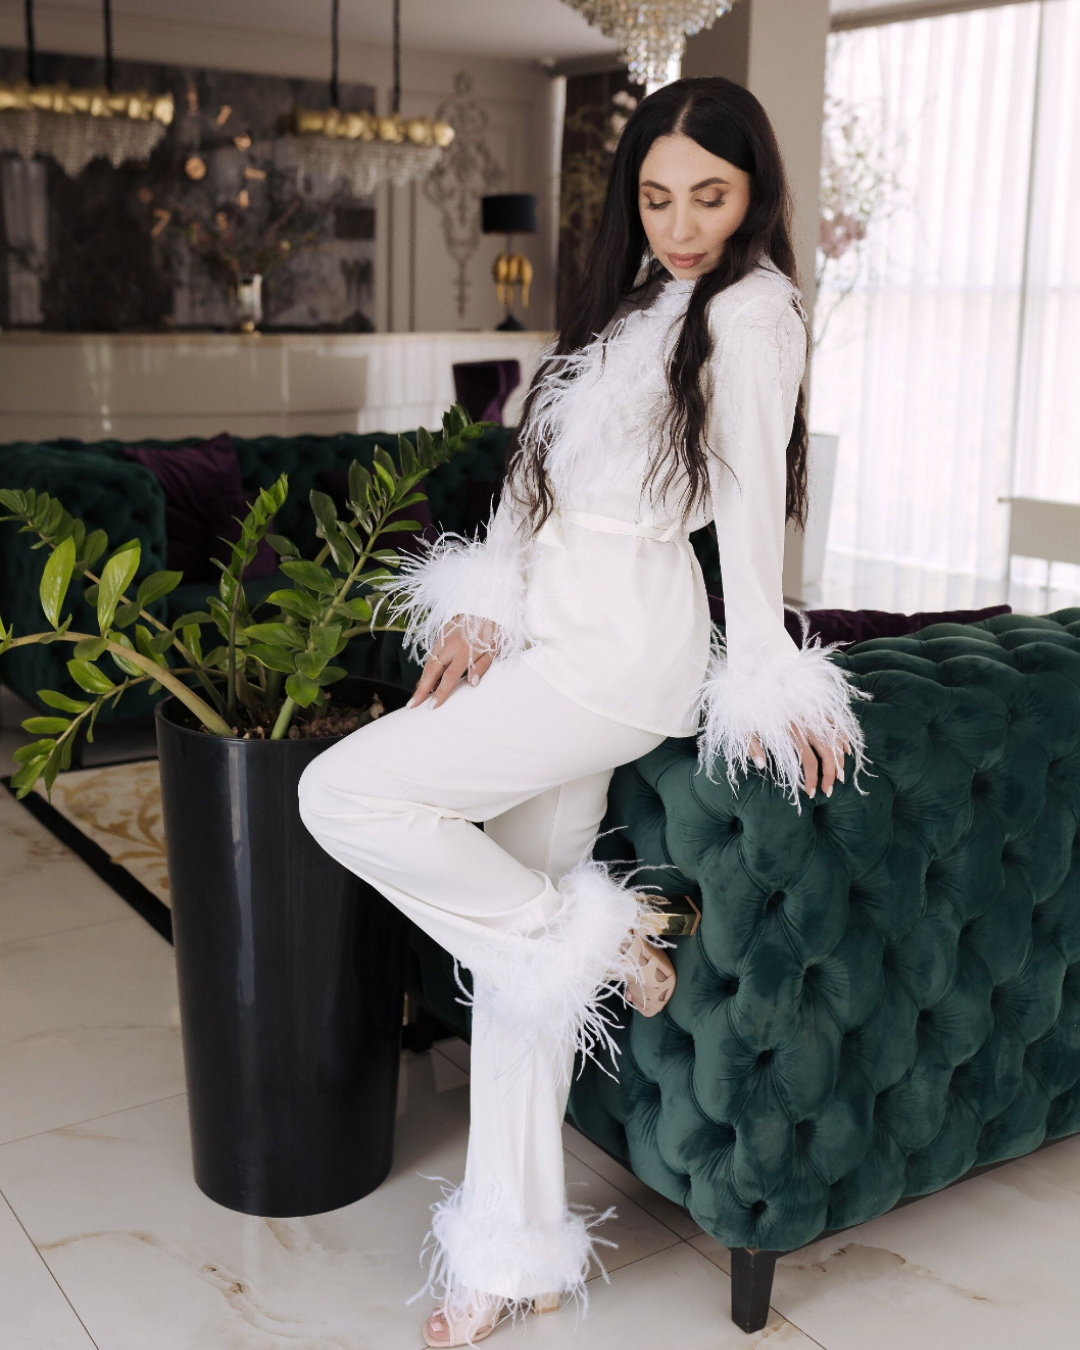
883 992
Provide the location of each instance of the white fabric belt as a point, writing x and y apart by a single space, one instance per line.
614 525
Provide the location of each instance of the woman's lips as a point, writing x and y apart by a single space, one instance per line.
685 259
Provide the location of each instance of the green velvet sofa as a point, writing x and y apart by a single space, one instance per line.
883 994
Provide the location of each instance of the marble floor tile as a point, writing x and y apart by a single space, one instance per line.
34 1314
674 1300
88 1025
44 887
150 1263
986 1265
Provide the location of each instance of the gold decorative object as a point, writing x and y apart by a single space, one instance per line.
510 270
74 126
650 33
362 148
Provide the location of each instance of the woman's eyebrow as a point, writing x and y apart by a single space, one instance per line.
648 182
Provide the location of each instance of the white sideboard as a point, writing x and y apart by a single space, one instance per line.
126 386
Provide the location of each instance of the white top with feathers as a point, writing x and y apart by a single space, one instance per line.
620 622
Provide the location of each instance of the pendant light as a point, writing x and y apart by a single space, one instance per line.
650 33
74 126
360 148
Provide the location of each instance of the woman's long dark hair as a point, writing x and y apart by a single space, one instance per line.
728 121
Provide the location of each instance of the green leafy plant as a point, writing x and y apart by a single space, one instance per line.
234 669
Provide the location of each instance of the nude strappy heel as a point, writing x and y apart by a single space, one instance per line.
653 982
650 988
479 1326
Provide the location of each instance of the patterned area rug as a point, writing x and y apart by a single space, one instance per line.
111 817
119 809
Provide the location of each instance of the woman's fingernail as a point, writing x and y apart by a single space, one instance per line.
410 702
840 771
828 791
474 679
759 762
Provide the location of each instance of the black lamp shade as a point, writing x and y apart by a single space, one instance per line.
508 213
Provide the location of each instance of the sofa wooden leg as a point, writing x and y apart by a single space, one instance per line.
751 1286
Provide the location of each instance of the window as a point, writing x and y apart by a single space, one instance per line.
947 368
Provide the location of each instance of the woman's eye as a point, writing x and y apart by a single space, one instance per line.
657 206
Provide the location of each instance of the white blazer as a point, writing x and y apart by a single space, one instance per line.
607 601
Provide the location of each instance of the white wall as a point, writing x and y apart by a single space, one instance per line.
419 244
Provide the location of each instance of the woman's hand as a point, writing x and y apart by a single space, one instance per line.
451 658
831 767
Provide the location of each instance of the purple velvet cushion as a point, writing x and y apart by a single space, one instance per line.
859 625
203 495
335 483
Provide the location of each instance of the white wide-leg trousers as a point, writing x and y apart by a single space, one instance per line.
520 903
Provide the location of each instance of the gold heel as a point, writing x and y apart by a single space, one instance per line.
544 1303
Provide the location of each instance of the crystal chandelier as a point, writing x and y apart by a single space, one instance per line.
74 126
650 33
360 148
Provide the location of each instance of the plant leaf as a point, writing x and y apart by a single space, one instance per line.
310 576
55 580
45 726
355 609
325 639
274 658
115 579
89 649
282 546
128 667
310 663
88 677
323 507
276 635
156 585
296 603
401 525
301 690
52 699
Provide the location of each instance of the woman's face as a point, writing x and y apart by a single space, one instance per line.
691 202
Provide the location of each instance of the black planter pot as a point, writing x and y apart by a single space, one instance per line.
291 978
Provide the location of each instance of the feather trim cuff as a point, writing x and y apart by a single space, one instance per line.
770 698
551 987
456 578
481 1246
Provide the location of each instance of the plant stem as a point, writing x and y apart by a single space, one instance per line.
202 710
196 666
284 717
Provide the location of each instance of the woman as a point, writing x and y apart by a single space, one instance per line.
581 624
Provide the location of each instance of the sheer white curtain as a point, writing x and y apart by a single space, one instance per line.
948 371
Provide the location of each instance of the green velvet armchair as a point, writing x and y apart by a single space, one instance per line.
882 997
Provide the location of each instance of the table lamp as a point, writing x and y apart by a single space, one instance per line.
510 213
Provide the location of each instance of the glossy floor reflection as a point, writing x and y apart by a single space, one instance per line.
105 1240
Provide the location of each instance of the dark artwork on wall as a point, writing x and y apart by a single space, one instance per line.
149 246
597 106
